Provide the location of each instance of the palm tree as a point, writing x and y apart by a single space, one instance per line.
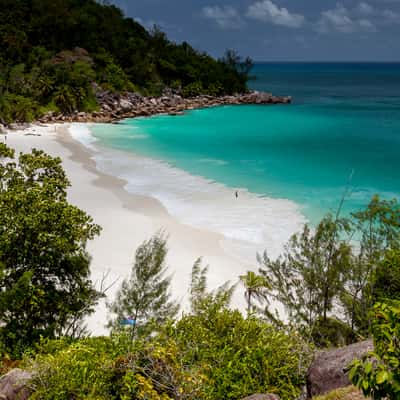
65 99
256 288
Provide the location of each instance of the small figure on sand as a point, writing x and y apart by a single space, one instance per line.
236 194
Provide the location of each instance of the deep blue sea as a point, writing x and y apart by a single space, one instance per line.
341 131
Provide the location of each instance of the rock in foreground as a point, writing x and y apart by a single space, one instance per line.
14 385
329 370
259 396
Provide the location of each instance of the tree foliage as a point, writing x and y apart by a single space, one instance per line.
52 50
210 354
310 273
145 297
256 288
329 278
378 375
376 230
202 299
241 356
44 267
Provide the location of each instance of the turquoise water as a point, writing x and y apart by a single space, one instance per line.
343 129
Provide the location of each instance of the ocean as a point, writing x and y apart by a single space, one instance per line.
289 163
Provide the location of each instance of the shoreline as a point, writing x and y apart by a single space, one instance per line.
127 220
114 107
247 227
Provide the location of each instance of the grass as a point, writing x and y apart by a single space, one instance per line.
348 393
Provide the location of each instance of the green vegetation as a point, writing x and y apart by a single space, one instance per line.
349 393
310 273
144 297
256 289
211 353
45 288
378 229
328 280
342 267
379 375
54 50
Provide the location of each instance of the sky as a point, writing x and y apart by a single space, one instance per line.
278 30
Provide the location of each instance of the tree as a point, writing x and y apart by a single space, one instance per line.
379 225
203 301
256 288
386 280
144 297
377 230
378 375
44 267
52 50
311 272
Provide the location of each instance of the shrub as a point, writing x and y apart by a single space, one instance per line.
378 375
242 356
331 332
193 89
349 393
81 370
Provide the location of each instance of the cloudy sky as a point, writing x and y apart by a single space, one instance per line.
273 30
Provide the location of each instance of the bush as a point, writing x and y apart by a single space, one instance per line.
349 393
17 108
331 332
242 356
193 89
219 355
79 370
378 375
386 280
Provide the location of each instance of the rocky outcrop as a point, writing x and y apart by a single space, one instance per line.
329 369
14 385
114 107
262 397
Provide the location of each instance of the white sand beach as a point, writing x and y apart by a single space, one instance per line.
128 219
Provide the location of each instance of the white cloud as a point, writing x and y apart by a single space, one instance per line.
380 17
365 8
340 20
366 25
225 17
391 16
267 11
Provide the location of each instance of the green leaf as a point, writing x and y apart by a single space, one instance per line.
382 377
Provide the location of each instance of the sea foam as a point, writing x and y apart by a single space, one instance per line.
248 223
82 134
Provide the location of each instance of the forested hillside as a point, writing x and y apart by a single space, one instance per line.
53 50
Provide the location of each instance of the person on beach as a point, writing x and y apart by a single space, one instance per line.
236 194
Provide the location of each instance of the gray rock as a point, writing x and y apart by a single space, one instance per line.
125 105
14 385
258 396
19 126
329 369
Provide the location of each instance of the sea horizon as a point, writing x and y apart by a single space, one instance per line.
298 158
